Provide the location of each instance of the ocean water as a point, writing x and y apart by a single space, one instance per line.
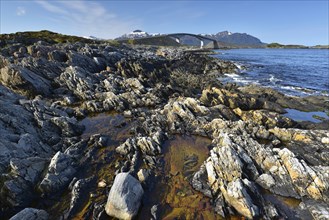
298 72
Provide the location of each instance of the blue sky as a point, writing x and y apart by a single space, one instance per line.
287 22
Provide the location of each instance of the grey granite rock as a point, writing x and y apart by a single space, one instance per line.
125 197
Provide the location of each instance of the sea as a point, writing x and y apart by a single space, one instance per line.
295 72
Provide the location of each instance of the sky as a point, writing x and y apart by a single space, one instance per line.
287 22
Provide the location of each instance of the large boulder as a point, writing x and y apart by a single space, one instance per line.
125 197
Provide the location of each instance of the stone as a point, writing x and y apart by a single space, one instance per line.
266 181
143 175
102 184
29 169
125 197
237 195
60 173
58 56
318 210
31 214
79 195
69 126
325 140
154 212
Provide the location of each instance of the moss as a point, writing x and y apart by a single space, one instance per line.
319 117
131 41
114 43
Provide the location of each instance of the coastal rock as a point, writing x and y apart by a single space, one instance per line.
215 96
68 126
60 172
254 148
29 169
148 146
225 169
318 210
250 150
200 183
29 145
78 80
84 62
186 115
79 194
233 99
309 181
307 103
266 181
125 197
145 144
16 193
265 118
58 56
306 143
24 81
277 170
236 194
31 214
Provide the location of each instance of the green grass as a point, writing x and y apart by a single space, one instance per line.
31 37
157 40
277 45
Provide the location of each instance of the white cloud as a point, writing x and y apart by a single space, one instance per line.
88 18
20 11
51 8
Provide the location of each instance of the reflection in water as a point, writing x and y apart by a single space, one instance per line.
305 116
175 197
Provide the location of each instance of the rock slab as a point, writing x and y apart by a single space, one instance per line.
125 197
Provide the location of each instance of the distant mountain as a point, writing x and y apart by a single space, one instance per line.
241 39
92 38
225 38
228 39
136 34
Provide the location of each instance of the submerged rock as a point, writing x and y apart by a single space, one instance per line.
125 197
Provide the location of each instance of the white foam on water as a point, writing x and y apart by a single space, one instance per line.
238 65
273 79
239 79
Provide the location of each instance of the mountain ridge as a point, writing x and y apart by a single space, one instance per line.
229 38
236 38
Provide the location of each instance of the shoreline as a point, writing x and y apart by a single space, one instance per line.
75 116
294 73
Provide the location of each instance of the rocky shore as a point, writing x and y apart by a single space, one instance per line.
92 130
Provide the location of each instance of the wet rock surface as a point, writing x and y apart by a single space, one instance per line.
74 117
